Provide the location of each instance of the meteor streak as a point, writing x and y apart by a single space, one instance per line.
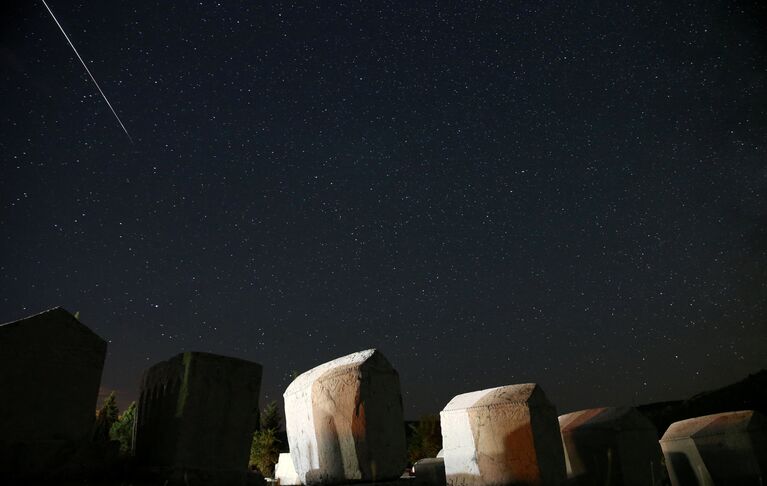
88 71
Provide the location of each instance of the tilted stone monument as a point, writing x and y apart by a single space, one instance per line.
196 416
616 446
50 371
724 448
502 436
345 422
284 472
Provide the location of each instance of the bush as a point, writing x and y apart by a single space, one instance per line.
105 417
265 451
265 448
426 440
122 429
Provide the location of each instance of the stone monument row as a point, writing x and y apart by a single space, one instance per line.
197 413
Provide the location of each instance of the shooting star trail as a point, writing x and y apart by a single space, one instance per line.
88 71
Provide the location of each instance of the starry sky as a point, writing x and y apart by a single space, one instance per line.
567 193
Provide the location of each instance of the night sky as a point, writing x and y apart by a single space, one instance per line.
572 193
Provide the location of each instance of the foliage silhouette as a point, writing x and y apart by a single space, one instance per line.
105 417
122 429
265 448
426 438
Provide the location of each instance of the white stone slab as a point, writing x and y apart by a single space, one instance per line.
502 436
344 421
284 472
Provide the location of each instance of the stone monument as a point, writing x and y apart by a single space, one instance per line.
724 448
50 371
196 416
617 446
345 422
430 471
502 436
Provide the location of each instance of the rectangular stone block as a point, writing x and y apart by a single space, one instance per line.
345 422
723 448
198 412
429 472
502 436
50 372
616 446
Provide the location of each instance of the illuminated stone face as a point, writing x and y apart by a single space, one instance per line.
284 472
502 436
344 421
198 411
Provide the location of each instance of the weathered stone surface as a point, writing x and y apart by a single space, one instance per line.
502 436
284 472
430 472
197 413
616 446
344 421
50 371
724 448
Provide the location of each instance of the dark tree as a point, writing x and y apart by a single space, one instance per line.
265 448
122 429
270 417
426 438
105 418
